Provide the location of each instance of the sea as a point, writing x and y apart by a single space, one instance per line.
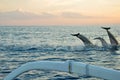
23 44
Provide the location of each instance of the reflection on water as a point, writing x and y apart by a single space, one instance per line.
20 45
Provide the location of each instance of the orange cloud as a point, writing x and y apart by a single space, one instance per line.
19 17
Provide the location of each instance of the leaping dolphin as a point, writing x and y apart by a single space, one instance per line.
104 43
85 40
113 41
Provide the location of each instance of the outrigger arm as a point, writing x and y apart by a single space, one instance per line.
67 66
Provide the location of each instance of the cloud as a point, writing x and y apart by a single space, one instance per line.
71 15
21 15
75 15
16 15
47 15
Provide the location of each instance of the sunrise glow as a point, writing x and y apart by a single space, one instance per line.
59 12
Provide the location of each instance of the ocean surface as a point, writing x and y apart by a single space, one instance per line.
22 44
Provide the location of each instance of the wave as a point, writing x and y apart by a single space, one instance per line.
44 48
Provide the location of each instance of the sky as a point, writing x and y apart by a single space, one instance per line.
59 12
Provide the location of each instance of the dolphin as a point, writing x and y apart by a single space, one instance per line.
85 40
104 43
113 41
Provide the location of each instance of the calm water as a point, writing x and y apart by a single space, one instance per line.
22 44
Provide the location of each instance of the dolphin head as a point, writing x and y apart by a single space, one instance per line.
75 34
106 28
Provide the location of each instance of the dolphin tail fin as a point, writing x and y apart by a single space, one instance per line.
106 28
